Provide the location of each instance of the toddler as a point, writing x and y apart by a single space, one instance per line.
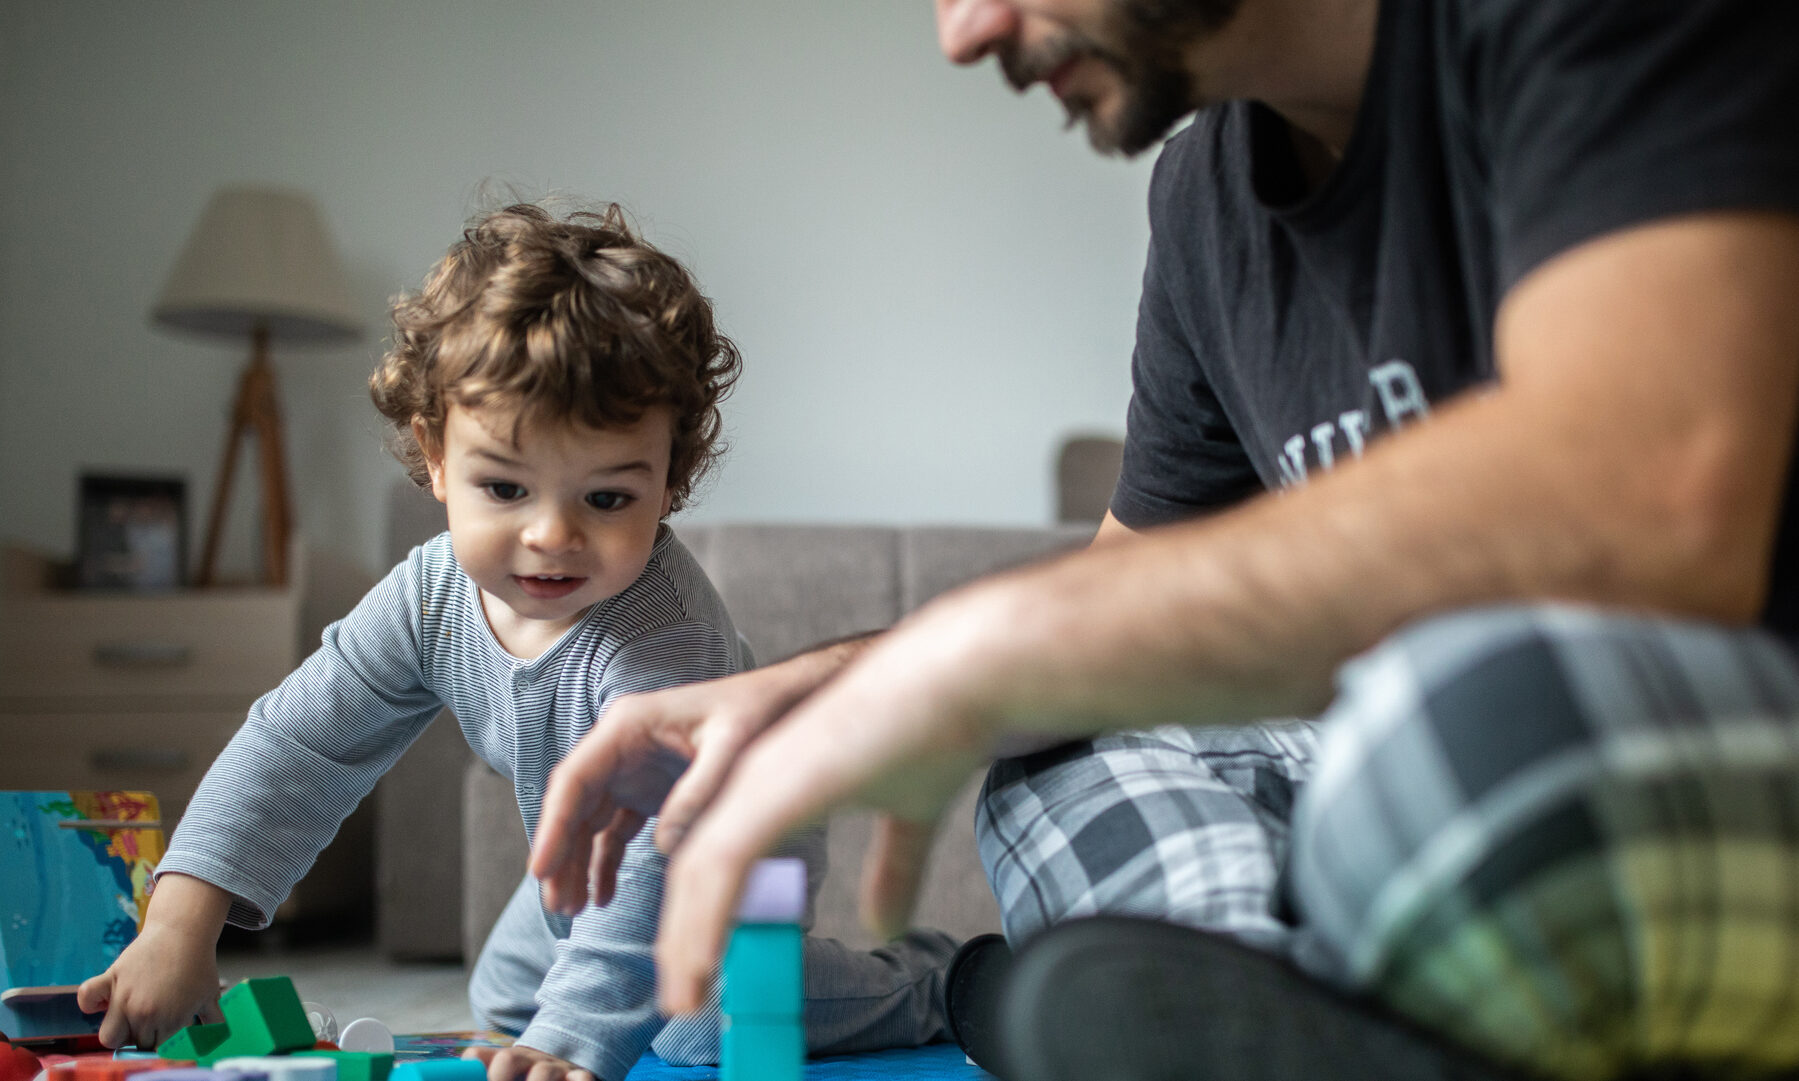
555 384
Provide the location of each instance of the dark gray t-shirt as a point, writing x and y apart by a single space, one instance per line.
1280 332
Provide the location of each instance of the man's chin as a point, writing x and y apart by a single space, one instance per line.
1129 134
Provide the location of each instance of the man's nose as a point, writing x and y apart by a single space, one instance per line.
968 30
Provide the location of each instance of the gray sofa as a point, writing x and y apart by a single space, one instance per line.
788 587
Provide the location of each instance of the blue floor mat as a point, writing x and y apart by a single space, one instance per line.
933 1062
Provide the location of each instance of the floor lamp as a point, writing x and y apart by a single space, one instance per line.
260 267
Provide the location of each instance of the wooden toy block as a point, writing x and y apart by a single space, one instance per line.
264 1016
282 1067
193 1073
195 1043
763 972
356 1065
441 1069
762 1051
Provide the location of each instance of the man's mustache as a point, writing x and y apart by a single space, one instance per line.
1023 70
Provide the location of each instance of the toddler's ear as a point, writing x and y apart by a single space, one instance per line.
432 448
668 501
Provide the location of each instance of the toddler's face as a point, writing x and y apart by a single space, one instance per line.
554 525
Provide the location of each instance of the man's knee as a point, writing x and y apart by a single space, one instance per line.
1504 799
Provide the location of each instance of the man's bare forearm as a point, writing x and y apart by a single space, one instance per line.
1641 479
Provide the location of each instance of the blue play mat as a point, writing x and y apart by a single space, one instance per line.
928 1063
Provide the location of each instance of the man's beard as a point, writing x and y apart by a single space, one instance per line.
1150 41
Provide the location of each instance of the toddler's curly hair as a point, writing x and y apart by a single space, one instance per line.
558 320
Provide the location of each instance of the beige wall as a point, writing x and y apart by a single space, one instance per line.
931 282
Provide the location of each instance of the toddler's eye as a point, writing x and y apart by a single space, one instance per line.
503 491
607 500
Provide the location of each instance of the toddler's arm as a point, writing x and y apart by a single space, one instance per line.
170 974
307 754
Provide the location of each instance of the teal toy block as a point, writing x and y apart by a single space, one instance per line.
440 1069
763 980
357 1065
195 1043
265 1016
762 1050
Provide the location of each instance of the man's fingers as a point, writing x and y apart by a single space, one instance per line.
575 793
567 882
697 787
892 872
770 791
609 852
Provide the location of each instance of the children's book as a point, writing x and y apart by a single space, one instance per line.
75 873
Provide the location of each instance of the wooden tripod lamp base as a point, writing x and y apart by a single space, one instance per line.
254 414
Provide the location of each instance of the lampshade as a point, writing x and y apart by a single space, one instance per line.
259 256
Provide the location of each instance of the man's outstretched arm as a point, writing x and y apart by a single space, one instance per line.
1634 454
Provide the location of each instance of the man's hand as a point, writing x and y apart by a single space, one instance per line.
528 1063
629 767
890 732
169 975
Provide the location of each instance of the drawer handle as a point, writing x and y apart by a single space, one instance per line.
140 758
142 654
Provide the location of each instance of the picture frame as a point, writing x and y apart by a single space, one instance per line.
131 533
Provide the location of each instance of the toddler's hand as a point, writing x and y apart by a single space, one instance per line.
162 983
507 1063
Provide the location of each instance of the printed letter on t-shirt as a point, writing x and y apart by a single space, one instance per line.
1401 395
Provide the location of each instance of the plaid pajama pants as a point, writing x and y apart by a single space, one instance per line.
1567 838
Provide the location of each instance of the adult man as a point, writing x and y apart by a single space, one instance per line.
1499 294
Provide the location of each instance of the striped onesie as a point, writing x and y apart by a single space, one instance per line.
315 746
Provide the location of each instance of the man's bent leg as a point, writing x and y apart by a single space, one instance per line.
1177 824
1566 838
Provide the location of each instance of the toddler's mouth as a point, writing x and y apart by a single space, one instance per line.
548 586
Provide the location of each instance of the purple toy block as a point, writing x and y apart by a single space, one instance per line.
774 893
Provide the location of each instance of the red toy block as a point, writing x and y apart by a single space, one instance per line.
111 1069
16 1063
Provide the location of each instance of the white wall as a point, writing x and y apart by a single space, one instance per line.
931 281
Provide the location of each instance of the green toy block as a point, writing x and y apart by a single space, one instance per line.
762 1051
358 1065
763 972
265 1016
195 1043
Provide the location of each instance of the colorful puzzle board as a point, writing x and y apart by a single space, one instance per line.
74 883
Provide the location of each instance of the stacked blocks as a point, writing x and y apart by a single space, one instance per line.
764 1037
261 1017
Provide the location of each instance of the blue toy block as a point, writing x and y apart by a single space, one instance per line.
762 1051
763 972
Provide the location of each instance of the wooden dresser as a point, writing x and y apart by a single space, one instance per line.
114 690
